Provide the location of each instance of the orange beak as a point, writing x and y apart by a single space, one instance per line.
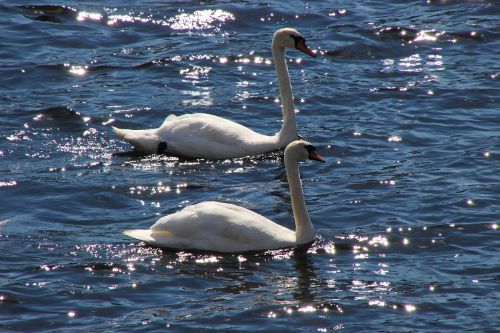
301 46
315 156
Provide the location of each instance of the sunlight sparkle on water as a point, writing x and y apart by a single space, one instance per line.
78 70
427 35
411 64
115 19
379 240
376 302
200 19
410 308
308 308
330 248
195 72
394 138
199 98
206 260
87 16
338 12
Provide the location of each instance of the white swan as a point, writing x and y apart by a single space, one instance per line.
201 135
223 227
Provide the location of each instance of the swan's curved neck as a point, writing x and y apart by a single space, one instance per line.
304 230
288 130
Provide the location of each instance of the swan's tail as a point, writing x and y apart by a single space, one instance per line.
140 234
152 237
146 141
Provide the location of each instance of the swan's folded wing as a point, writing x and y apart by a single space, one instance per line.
208 136
220 227
207 127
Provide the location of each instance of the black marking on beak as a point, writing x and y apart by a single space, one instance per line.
300 44
313 155
310 148
298 39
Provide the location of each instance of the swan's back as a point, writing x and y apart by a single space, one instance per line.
208 136
218 227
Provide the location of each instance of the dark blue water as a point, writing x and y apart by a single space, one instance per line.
403 102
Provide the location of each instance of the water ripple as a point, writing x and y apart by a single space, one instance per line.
401 100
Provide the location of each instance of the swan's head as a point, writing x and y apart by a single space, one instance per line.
301 150
292 39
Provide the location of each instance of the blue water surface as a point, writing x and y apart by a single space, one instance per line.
402 101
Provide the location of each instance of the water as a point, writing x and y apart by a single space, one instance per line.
402 102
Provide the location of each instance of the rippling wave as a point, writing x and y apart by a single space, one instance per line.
402 101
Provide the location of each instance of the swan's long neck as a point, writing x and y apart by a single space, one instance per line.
304 231
288 130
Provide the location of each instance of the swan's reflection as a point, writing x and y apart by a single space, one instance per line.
243 273
306 276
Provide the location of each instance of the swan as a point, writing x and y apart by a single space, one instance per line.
202 135
223 227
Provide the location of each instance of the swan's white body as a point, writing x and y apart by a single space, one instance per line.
223 227
216 226
207 136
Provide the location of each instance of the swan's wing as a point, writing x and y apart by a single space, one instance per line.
218 227
209 136
169 118
205 126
